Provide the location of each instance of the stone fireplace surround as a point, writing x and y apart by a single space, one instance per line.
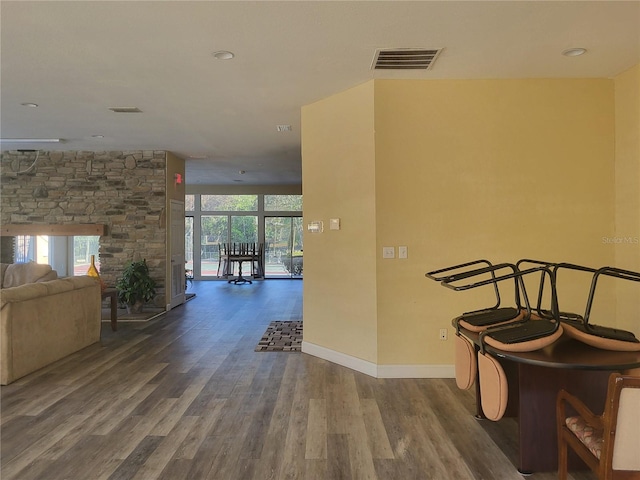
121 192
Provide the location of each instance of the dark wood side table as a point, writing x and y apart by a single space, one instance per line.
112 293
534 380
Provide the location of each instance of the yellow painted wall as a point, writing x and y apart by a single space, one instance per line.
338 175
497 169
627 188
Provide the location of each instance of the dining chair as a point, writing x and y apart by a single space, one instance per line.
609 444
257 253
602 336
223 260
480 319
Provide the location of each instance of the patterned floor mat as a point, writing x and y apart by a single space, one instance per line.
281 337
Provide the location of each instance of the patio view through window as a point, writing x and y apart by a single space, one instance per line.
67 255
274 220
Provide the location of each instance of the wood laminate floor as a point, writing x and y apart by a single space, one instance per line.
185 396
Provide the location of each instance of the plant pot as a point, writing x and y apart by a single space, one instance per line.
135 307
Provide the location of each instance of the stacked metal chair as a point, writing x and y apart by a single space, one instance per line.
512 328
519 328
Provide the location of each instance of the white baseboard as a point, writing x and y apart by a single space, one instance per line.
416 371
353 363
379 371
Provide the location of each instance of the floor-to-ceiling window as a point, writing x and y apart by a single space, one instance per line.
273 220
283 236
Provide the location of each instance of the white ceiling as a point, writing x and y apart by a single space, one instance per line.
76 59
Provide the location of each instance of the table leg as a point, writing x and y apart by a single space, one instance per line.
114 312
240 278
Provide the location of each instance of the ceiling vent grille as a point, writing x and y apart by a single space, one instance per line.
405 58
126 110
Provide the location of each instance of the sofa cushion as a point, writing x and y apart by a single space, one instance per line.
39 289
17 274
23 293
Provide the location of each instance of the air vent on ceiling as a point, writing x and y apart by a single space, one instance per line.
126 110
405 58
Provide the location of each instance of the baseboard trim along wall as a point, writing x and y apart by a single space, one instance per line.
379 371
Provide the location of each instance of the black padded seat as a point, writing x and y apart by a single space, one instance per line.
483 319
524 337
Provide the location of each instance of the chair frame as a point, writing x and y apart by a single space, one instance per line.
579 326
490 316
606 422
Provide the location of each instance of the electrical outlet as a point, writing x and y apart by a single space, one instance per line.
443 334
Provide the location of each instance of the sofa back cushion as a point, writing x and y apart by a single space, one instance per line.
17 274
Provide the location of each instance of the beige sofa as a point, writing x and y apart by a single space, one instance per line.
43 320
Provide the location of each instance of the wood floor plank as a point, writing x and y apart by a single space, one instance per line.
316 444
175 414
202 464
316 469
128 441
200 431
273 442
130 466
338 461
120 409
376 433
293 462
157 461
20 461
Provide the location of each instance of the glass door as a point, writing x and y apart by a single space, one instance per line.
214 230
188 244
283 247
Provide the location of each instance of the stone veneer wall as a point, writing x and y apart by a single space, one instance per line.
124 190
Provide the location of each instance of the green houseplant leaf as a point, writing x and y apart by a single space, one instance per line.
136 284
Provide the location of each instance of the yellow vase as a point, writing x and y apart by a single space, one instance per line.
93 272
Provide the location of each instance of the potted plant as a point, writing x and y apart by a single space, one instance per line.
136 287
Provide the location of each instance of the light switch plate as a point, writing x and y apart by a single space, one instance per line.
315 227
402 252
388 252
334 224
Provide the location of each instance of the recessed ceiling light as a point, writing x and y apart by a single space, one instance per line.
574 52
97 136
223 55
29 104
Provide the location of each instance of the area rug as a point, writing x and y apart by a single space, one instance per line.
281 337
